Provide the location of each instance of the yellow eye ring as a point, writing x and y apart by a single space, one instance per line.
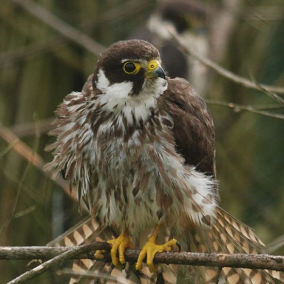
131 67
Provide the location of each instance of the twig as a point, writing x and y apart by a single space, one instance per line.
222 71
19 189
46 252
16 201
238 108
57 260
28 129
20 147
24 212
275 245
124 10
29 155
60 26
272 95
96 275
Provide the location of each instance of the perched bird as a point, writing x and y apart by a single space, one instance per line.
139 149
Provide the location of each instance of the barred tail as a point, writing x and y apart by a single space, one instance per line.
229 235
89 230
86 231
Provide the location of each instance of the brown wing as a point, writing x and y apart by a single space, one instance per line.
193 125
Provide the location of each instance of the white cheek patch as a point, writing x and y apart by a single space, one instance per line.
114 94
114 91
119 97
103 82
120 90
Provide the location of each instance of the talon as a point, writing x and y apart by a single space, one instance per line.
99 254
151 248
117 251
179 246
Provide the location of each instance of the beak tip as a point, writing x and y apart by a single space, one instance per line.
159 72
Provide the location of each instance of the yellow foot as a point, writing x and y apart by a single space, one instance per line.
151 248
118 247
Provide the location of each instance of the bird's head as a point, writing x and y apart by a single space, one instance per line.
130 68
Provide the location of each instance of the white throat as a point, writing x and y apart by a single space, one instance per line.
118 97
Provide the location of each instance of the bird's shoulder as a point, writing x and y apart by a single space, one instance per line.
193 125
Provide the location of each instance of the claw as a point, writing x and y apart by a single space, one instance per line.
151 248
100 254
118 247
179 246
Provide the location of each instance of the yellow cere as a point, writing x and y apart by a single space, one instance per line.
152 65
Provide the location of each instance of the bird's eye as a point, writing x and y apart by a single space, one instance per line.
131 68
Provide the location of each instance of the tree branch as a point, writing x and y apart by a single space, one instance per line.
222 71
70 252
60 26
17 145
96 275
255 110
259 261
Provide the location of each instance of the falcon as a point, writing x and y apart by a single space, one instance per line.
139 149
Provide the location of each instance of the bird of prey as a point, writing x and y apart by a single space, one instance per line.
139 149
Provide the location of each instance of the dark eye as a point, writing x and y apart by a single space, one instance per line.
131 67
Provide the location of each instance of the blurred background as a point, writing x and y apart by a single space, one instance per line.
48 49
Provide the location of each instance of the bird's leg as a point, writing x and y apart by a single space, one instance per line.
118 247
151 248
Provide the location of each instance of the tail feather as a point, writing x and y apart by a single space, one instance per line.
84 232
242 234
229 235
90 230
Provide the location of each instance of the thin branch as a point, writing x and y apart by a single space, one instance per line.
124 10
59 254
7 150
20 147
60 26
16 201
238 108
96 275
46 252
30 156
57 260
20 187
222 71
25 212
275 245
269 106
272 95
28 129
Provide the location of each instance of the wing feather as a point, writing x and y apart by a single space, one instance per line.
193 125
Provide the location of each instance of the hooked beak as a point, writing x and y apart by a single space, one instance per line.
155 70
